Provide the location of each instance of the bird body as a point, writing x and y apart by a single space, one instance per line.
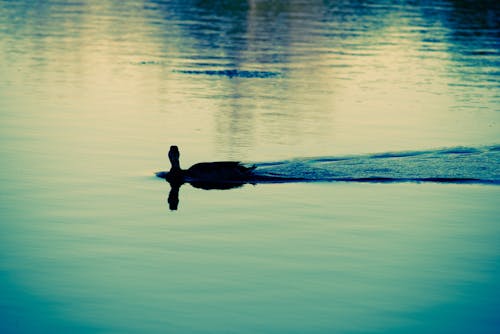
220 170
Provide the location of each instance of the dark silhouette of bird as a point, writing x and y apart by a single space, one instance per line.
209 172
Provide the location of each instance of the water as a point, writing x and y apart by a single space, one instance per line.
456 165
92 94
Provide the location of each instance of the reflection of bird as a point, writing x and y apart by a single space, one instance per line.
221 171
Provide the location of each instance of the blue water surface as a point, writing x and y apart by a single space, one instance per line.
403 96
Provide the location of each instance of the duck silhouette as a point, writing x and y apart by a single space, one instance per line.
206 173
220 175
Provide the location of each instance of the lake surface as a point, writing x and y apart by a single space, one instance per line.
92 94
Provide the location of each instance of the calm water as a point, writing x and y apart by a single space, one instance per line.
93 93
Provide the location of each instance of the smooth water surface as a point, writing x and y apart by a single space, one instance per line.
93 93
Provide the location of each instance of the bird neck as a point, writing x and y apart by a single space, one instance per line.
175 165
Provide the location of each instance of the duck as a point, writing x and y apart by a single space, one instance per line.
219 171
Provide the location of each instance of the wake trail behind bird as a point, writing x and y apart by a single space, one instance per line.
450 165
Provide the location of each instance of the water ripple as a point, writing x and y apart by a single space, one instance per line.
232 73
450 165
